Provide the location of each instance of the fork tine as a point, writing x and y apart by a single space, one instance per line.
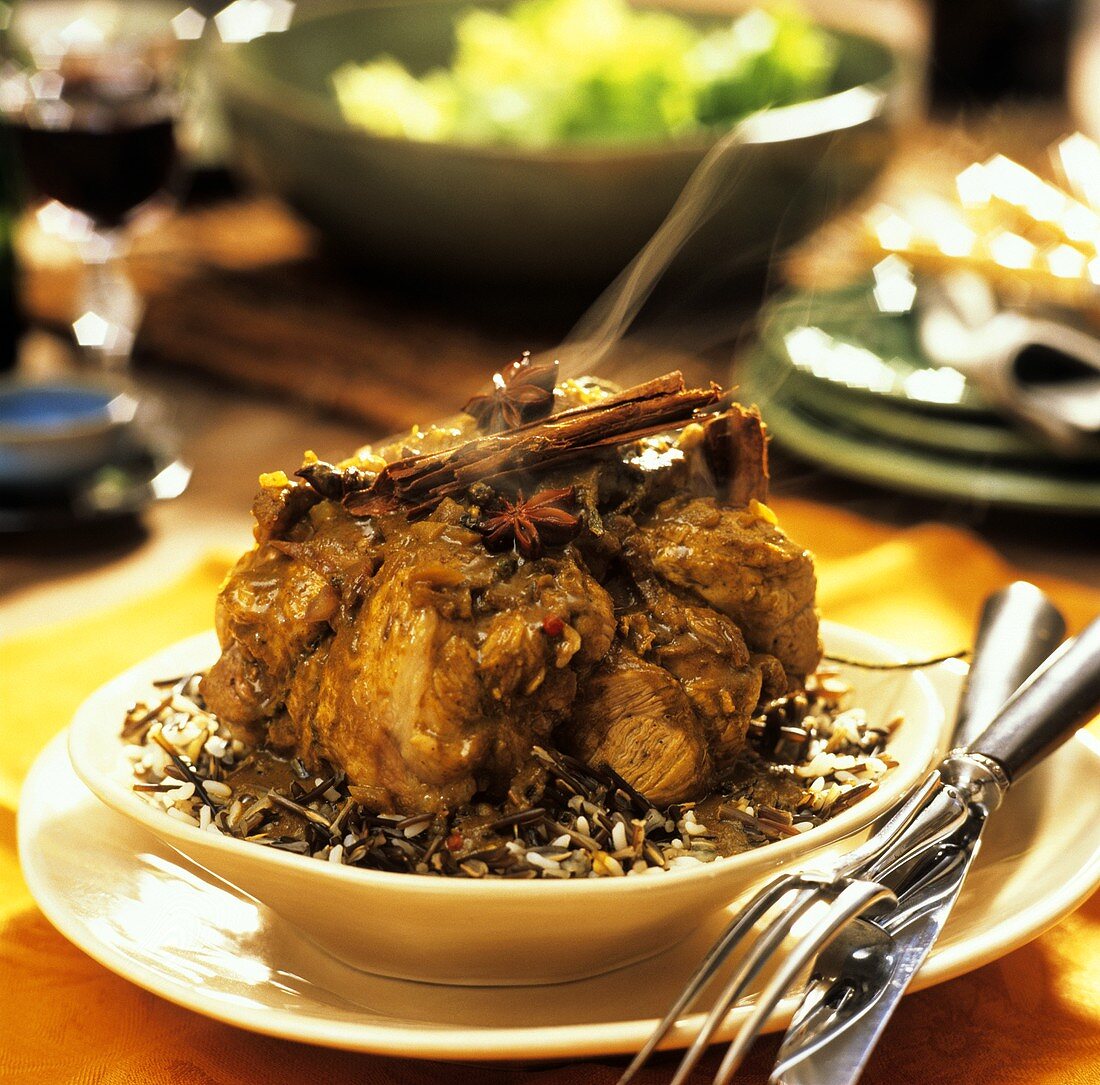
853 900
763 948
738 927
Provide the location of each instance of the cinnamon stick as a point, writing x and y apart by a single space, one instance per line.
423 481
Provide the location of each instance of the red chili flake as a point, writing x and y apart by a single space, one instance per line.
553 626
454 841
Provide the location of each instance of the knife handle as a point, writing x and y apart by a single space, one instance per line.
1063 696
1018 628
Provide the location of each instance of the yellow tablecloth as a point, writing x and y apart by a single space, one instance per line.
1032 1017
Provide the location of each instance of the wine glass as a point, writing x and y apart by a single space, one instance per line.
90 105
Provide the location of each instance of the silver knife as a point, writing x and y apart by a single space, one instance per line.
1029 727
1019 627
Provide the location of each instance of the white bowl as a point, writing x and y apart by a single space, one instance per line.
459 931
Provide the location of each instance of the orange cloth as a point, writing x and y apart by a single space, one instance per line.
1032 1017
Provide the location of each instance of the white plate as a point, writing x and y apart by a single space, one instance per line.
139 909
479 931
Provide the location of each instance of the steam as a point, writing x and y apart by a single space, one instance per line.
692 321
588 347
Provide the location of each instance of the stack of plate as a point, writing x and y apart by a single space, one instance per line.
845 385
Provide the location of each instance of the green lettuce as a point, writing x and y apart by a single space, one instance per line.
547 72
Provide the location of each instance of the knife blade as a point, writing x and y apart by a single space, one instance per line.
842 1058
1030 726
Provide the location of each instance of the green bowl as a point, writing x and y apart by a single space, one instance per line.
566 215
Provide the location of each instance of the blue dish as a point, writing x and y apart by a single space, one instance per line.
48 408
52 432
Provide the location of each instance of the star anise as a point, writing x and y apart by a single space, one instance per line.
521 393
531 523
333 482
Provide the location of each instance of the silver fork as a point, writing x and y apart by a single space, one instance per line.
850 886
851 973
1017 633
1019 627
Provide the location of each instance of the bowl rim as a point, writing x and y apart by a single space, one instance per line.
833 112
89 732
118 410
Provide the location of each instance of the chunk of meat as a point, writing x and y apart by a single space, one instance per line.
735 444
426 667
280 600
271 611
738 561
279 505
706 653
635 717
435 688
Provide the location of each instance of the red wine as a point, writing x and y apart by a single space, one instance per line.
102 172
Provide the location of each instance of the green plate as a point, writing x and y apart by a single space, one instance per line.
841 341
975 435
848 449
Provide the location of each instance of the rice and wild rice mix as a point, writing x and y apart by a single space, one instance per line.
810 756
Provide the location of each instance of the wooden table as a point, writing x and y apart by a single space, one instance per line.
257 347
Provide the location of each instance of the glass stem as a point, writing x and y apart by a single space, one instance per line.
108 306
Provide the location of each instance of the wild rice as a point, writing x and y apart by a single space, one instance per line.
582 822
